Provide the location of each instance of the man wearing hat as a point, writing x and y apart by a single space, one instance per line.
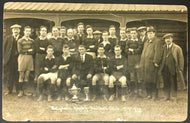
150 61
10 55
98 36
142 33
171 68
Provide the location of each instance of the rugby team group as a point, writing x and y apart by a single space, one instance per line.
137 62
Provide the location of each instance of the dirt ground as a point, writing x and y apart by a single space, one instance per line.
28 109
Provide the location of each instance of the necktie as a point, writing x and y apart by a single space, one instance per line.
82 58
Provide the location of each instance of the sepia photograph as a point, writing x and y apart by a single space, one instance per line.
94 62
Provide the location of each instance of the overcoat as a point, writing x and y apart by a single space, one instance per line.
151 54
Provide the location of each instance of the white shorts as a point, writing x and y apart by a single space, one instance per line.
51 76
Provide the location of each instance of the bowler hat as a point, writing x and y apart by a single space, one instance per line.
151 29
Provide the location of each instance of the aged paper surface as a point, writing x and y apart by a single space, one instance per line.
164 18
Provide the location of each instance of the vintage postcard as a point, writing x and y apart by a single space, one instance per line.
94 62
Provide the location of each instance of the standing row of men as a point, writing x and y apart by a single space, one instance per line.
133 60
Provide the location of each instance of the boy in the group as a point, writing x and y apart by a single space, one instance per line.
101 70
106 43
41 44
56 42
25 59
80 36
118 72
122 41
89 42
65 67
71 42
63 32
49 72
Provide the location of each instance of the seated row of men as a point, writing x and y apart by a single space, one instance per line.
80 69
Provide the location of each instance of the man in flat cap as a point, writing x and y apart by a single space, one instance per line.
171 68
150 61
10 55
142 33
98 36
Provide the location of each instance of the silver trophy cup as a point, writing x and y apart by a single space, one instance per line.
74 91
86 91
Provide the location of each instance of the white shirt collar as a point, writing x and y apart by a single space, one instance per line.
135 39
118 57
26 38
83 54
65 57
52 57
112 36
42 38
70 39
16 37
90 36
150 41
55 37
169 46
123 39
105 42
102 57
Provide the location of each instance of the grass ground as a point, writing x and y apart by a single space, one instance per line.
27 108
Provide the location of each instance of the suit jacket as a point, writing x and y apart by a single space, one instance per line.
85 67
7 48
179 65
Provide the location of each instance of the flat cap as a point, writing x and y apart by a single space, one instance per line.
97 32
167 35
141 28
151 29
15 26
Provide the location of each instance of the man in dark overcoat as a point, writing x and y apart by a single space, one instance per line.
150 60
10 55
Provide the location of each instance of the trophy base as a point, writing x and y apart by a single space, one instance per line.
74 100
